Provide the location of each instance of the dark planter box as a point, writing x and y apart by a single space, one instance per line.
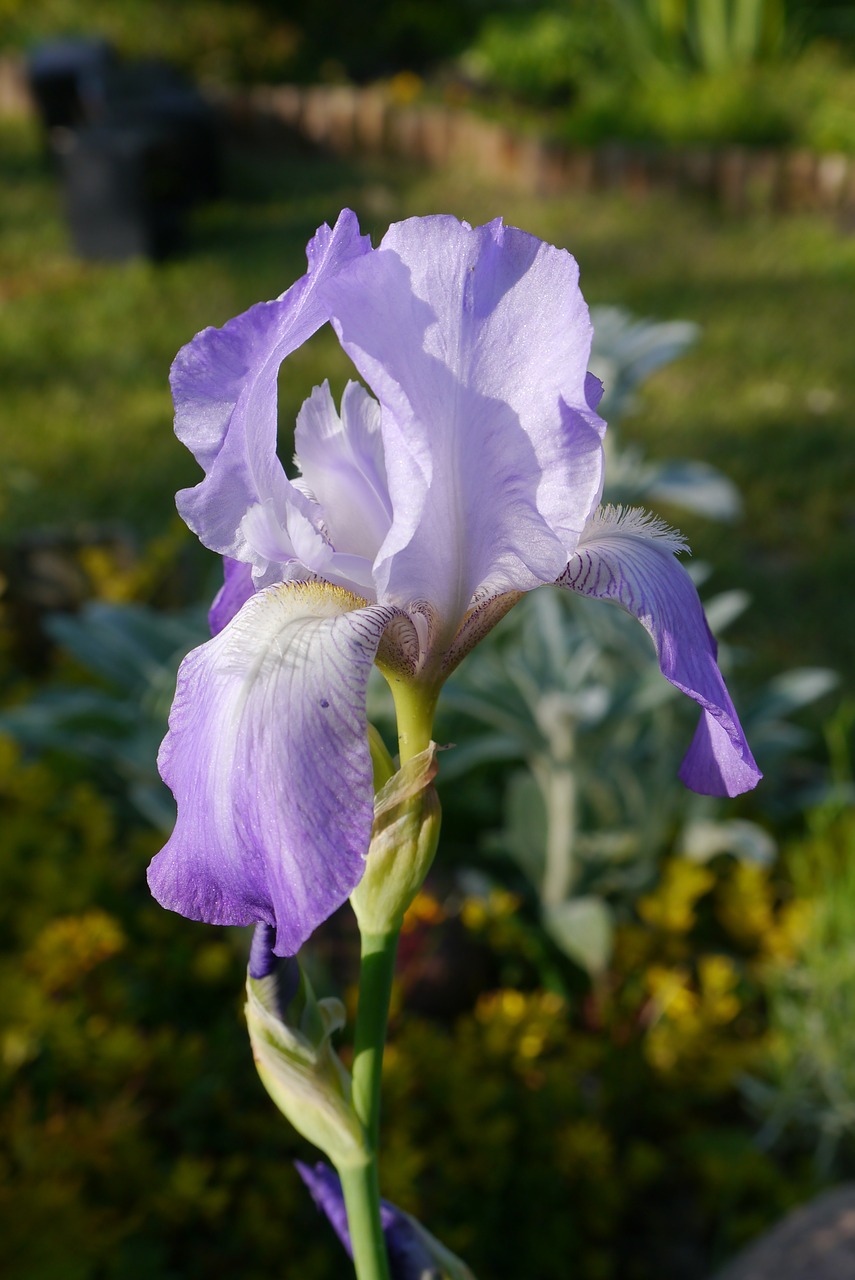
65 77
154 95
124 189
147 151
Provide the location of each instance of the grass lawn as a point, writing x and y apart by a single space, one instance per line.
768 394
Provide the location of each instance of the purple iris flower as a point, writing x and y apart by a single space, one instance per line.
473 473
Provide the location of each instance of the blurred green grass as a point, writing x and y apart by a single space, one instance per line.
767 395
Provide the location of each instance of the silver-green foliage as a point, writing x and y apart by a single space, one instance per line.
114 720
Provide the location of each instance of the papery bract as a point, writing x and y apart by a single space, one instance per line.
291 1032
418 519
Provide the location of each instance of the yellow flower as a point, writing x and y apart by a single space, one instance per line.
671 906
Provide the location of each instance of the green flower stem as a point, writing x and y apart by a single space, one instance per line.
362 1185
361 1189
375 990
415 705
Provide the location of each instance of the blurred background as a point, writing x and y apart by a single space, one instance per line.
622 1040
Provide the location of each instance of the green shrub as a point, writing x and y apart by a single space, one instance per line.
809 102
673 72
214 39
136 1139
610 1114
807 1094
713 107
542 56
713 36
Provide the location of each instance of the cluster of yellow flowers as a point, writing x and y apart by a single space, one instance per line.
712 934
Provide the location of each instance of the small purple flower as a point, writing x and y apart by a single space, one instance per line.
413 1253
472 474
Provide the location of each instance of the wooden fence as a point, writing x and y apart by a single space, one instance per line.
349 120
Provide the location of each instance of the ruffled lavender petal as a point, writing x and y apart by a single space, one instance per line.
224 384
232 596
408 1257
628 559
342 466
476 343
267 756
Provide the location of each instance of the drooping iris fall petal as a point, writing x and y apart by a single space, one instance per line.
628 559
267 756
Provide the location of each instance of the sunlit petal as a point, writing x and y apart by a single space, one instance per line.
475 342
224 384
267 756
628 558
342 466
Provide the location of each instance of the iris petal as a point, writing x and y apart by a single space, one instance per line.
627 558
341 461
267 756
232 596
476 344
224 384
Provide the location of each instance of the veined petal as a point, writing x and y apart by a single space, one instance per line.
628 558
476 343
267 756
224 388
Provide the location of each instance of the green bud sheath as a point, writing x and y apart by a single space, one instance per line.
381 762
403 843
300 1069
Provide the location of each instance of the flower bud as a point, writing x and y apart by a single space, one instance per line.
414 1254
403 844
291 1032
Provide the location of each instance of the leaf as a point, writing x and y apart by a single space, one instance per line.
696 486
797 688
524 833
584 929
702 840
725 608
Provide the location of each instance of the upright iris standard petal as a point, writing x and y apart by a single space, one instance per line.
627 558
476 342
267 756
224 388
